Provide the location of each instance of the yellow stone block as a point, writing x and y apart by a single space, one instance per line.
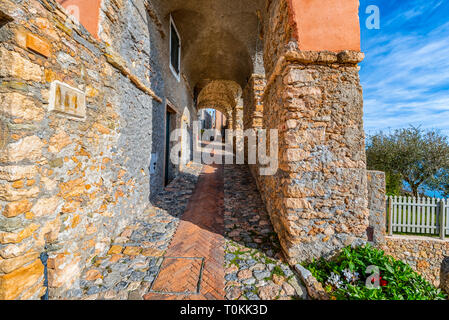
18 281
38 45
72 188
8 193
50 76
132 251
150 252
59 141
14 65
16 208
28 148
115 250
93 274
45 206
29 215
20 106
9 265
18 184
9 237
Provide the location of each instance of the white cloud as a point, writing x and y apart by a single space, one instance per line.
405 75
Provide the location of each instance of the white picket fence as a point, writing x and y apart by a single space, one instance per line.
427 216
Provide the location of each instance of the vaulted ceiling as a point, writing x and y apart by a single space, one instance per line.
220 38
221 95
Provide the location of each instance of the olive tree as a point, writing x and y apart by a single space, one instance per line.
411 154
440 182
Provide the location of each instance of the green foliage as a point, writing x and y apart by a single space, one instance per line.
412 154
278 271
440 182
398 280
393 184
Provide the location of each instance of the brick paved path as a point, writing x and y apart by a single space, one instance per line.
194 261
207 236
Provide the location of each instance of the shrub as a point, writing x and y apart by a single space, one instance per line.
345 277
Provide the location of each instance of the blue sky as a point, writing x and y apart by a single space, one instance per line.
405 74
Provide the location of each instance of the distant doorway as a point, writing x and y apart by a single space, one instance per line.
170 125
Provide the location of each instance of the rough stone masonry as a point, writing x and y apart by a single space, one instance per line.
69 185
318 199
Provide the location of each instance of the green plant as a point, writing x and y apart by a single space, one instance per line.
393 184
346 276
278 271
414 155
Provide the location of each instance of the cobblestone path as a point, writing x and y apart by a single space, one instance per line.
134 259
207 236
253 260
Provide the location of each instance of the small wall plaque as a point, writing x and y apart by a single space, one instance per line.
67 101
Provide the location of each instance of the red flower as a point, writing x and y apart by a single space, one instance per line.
374 279
382 282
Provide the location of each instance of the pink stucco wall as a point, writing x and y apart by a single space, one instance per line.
89 13
331 25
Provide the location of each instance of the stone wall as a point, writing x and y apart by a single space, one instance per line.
68 187
423 254
377 206
318 198
278 34
444 275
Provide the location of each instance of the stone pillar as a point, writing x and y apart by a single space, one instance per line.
237 114
230 120
318 198
253 112
376 231
253 104
237 121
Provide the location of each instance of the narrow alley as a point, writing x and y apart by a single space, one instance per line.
207 236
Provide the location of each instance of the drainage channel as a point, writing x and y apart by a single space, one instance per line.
44 259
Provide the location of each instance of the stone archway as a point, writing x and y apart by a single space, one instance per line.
318 117
222 95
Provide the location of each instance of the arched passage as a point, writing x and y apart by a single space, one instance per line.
221 51
222 95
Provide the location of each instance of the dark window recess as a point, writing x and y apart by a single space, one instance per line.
175 49
4 19
370 234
